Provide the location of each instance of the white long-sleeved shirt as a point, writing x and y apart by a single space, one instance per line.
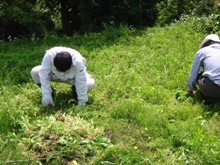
76 75
209 59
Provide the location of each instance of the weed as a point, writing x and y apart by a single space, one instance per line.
139 111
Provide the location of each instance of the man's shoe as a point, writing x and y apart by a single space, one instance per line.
53 92
74 93
209 102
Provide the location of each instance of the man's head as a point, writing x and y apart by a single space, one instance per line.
62 61
210 39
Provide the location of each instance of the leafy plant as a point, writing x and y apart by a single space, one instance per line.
139 111
63 138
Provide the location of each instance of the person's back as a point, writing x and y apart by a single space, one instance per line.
211 62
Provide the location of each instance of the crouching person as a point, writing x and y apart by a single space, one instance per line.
207 58
62 64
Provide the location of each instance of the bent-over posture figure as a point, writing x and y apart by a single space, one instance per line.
62 64
208 80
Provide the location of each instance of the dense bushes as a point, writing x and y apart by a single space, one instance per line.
204 15
25 18
210 24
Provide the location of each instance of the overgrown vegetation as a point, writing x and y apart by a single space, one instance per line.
40 18
139 112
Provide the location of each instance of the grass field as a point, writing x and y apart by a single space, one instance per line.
139 112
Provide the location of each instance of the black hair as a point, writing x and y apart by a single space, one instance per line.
62 61
210 42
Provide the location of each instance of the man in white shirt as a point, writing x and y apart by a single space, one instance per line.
207 58
62 64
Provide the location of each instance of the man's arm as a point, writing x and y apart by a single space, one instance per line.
81 81
194 72
45 73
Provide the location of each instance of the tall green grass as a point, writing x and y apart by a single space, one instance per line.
139 111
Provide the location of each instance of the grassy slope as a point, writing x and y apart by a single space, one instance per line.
139 74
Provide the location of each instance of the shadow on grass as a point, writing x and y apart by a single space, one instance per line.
212 109
209 108
64 102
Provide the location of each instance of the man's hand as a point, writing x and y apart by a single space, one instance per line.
47 101
192 91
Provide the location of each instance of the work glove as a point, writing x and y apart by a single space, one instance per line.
81 105
47 101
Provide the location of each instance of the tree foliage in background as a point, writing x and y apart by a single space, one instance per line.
24 18
66 17
172 10
36 16
86 15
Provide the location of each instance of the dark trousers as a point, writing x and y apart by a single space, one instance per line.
209 89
